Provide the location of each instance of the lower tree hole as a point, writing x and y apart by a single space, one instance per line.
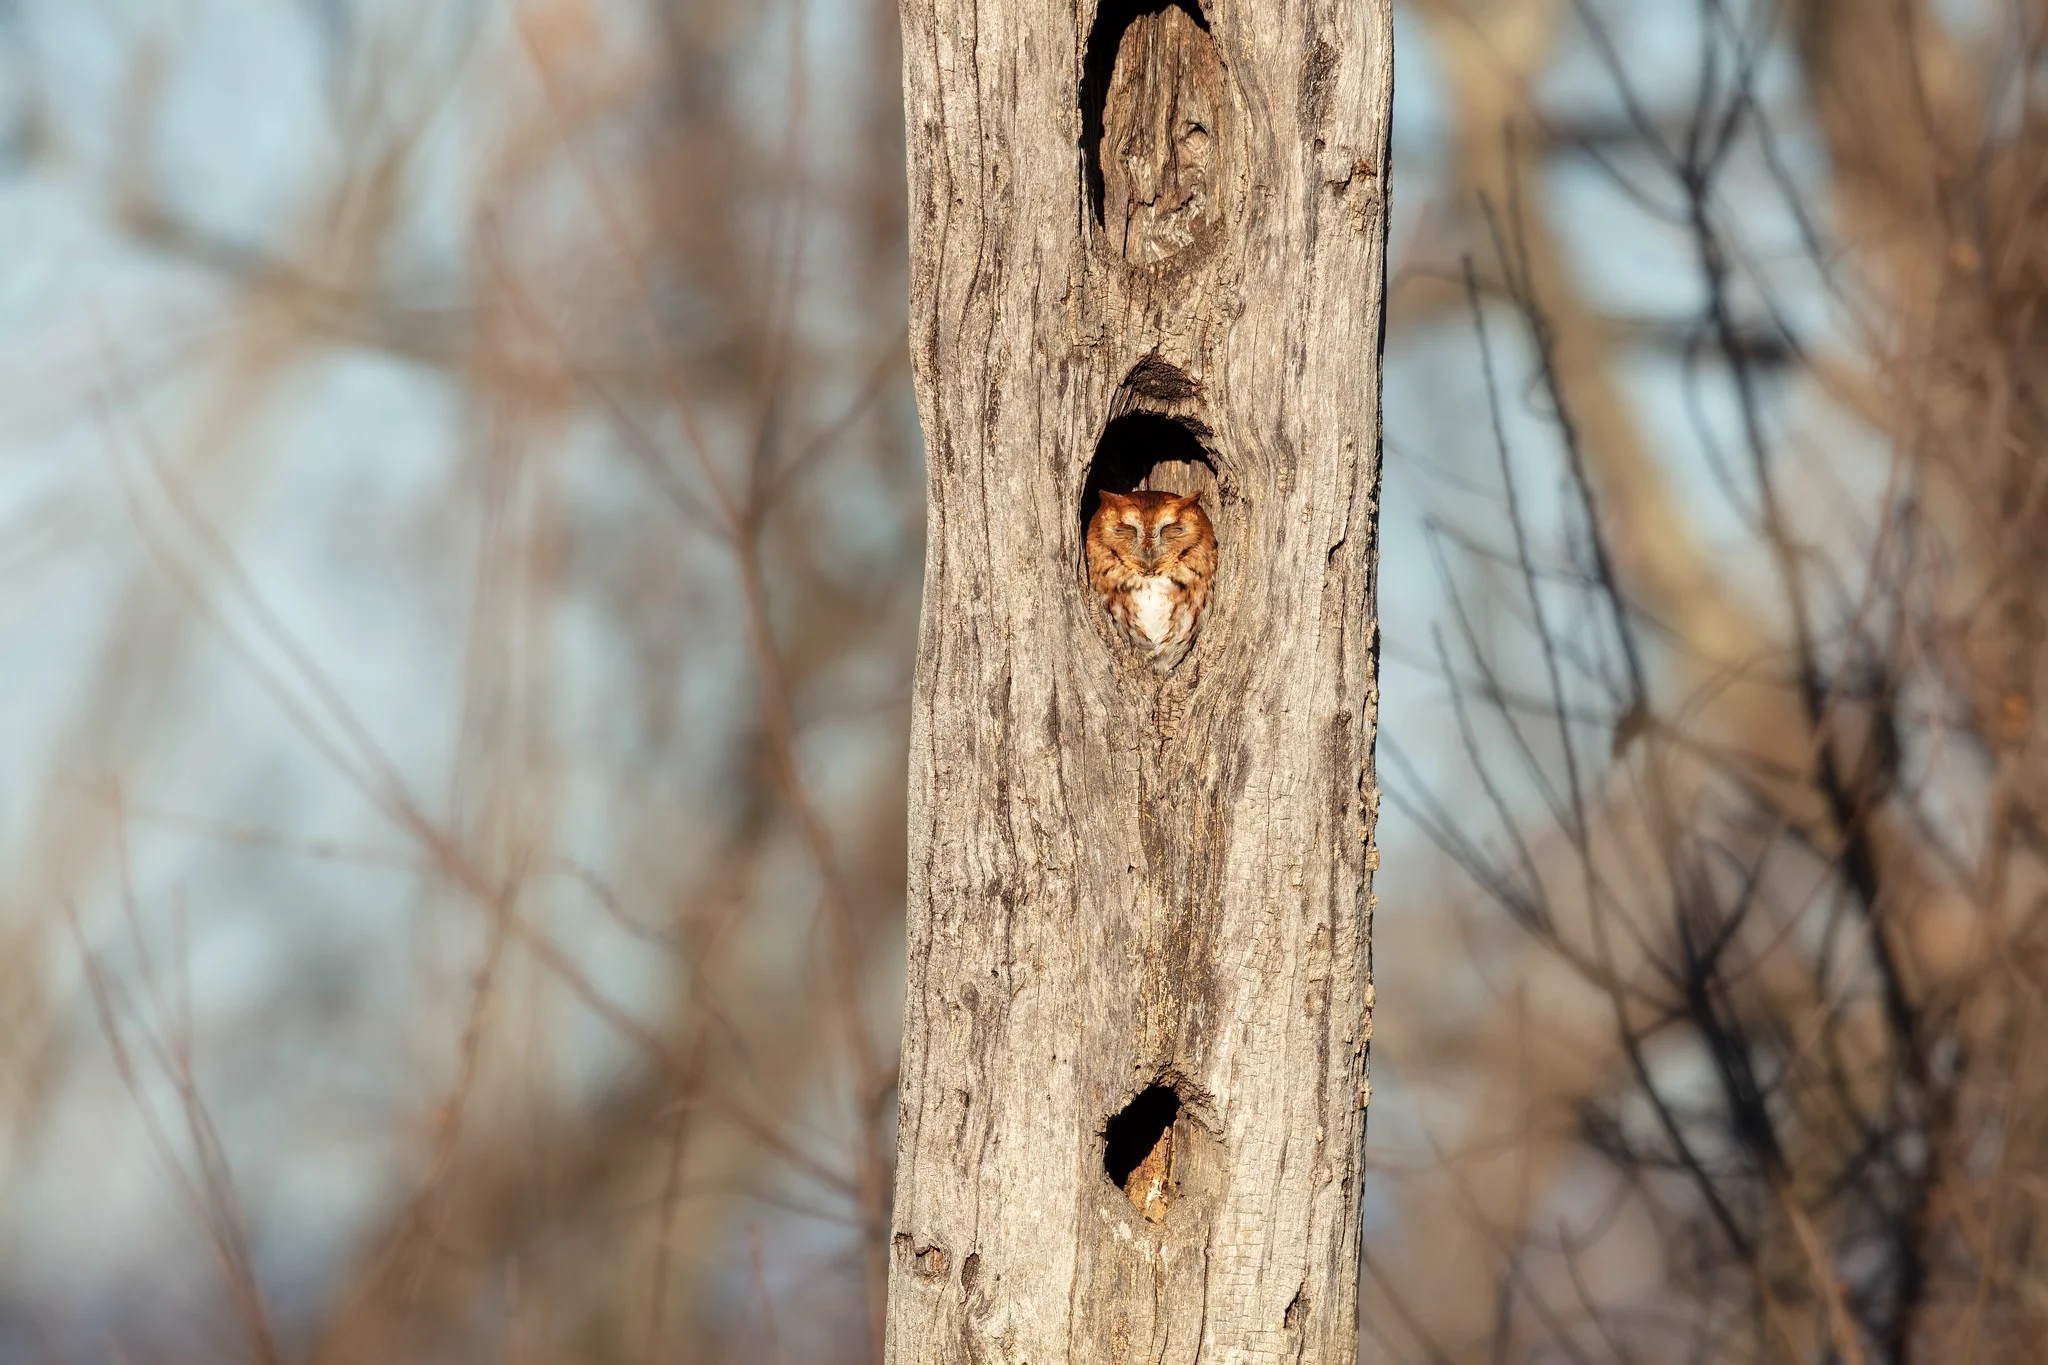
1137 1150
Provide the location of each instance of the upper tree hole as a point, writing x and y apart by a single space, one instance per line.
1113 18
1137 1150
1152 104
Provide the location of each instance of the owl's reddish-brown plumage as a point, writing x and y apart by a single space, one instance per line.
1150 559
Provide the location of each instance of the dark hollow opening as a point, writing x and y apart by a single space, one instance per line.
1131 447
1133 1133
1112 17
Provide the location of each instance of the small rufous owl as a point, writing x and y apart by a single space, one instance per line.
1150 559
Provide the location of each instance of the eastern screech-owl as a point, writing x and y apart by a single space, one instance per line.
1150 558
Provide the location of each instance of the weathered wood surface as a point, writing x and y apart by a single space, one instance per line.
1120 882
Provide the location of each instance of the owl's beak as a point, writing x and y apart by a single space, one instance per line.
1150 551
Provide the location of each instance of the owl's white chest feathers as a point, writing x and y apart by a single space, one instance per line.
1154 604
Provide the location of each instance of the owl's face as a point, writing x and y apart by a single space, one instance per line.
1149 532
1150 558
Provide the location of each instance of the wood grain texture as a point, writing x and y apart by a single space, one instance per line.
1120 881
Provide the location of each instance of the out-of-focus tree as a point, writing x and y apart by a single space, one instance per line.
1761 1086
626 806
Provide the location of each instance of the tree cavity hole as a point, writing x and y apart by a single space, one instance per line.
1145 450
1113 18
1137 1150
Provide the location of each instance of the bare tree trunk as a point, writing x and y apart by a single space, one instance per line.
1147 250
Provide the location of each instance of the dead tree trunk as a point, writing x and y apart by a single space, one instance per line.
1148 250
